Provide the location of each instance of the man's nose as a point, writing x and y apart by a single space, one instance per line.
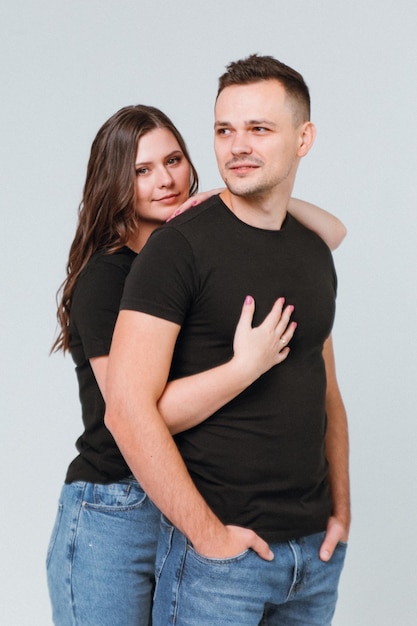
241 143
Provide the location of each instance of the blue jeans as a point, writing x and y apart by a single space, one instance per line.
101 556
295 589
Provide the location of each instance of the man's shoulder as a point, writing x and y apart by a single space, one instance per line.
205 211
298 230
192 226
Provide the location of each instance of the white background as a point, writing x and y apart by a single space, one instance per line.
66 66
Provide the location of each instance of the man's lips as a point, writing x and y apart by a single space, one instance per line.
242 166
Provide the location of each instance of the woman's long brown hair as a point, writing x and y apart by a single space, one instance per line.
106 215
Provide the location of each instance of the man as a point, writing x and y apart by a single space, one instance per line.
257 495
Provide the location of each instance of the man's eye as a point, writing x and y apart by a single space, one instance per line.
223 131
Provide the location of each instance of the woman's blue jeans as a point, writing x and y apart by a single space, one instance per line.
101 556
295 589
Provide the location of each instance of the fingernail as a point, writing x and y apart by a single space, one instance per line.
194 203
248 300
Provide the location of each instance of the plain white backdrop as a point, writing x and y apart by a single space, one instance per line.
66 66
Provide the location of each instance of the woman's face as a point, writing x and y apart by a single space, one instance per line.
162 176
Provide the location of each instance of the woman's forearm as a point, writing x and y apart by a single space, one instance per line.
323 223
188 401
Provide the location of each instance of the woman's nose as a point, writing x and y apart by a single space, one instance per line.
164 178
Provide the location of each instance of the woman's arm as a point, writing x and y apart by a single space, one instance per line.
324 224
188 401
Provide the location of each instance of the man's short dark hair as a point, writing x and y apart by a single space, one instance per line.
257 68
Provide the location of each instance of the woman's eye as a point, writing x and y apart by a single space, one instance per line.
174 160
142 170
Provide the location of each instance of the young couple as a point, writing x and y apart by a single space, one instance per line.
254 489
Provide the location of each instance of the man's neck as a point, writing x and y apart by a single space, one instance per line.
266 213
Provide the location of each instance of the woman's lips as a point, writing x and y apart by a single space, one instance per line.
169 199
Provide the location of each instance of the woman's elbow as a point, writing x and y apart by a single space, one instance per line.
338 236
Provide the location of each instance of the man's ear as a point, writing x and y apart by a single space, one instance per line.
306 138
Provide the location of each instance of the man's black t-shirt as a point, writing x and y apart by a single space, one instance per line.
259 461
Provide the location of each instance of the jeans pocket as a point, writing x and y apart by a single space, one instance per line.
54 534
124 495
215 560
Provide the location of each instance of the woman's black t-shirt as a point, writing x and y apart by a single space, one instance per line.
94 309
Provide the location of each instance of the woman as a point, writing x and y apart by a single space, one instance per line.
101 553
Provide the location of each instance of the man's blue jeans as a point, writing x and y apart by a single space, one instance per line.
101 556
295 589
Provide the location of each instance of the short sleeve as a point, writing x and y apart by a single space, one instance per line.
95 306
162 280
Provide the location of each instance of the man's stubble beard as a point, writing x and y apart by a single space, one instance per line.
257 189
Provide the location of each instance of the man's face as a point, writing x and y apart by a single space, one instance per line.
256 142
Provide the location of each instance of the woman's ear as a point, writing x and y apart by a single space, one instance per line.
306 138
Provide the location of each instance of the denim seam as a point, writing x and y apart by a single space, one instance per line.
107 508
177 590
294 580
72 551
158 571
54 535
216 561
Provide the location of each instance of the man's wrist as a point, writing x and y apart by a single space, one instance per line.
342 520
206 539
343 515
